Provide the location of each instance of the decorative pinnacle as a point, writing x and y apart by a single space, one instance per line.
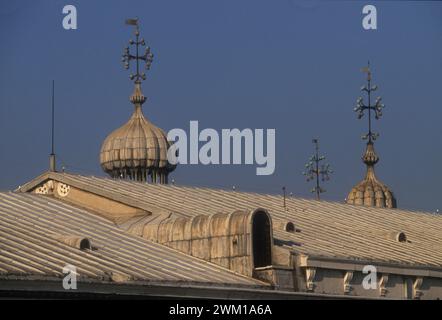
317 172
147 57
376 108
137 96
370 158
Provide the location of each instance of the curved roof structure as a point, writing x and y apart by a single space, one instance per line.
31 247
323 228
371 191
317 247
138 149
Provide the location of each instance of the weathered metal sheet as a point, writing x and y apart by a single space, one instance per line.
31 245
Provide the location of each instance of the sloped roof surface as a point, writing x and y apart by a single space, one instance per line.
325 228
27 248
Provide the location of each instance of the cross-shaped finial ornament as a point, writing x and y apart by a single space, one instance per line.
376 108
315 171
147 57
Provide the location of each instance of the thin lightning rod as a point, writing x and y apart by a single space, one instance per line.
53 117
52 156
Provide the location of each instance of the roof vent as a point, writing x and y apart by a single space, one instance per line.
73 241
286 226
289 227
397 236
401 237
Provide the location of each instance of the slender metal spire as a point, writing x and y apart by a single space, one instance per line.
52 165
361 107
370 191
127 57
316 171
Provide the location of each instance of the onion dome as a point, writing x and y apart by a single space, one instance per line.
138 149
371 191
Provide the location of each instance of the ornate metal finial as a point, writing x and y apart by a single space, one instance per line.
376 108
147 57
317 172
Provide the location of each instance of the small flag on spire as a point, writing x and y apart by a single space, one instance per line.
365 69
132 22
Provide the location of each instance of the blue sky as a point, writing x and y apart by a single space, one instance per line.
289 65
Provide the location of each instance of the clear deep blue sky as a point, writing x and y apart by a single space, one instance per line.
289 65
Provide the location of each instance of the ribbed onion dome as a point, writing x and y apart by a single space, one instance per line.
370 191
138 149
